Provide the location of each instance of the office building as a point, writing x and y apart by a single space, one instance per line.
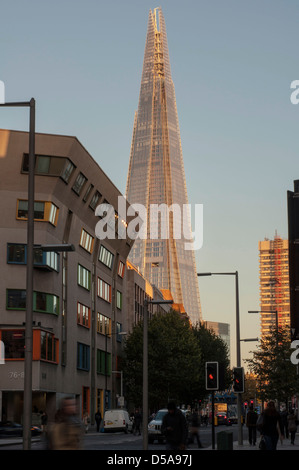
156 179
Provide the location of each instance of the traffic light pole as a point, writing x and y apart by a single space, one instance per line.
239 400
213 419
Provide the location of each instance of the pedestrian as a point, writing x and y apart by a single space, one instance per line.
195 428
98 418
284 418
86 421
251 419
175 428
271 428
44 421
66 432
292 426
137 422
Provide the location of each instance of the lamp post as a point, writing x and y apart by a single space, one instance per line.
238 345
145 366
267 311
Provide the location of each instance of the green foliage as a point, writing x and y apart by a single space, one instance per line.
276 375
176 360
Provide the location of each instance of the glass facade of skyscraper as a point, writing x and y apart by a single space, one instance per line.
156 177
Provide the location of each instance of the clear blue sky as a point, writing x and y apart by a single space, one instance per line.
232 64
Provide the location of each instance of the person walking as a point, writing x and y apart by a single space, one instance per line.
271 427
98 418
174 427
66 432
292 426
137 422
195 428
284 418
251 419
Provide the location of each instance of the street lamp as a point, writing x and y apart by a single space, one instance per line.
240 433
27 407
267 311
145 366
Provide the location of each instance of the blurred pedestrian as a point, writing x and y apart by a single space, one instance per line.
284 419
137 422
66 432
44 421
272 427
292 426
251 419
195 428
86 421
175 428
98 418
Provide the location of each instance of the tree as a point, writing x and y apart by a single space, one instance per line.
276 375
173 359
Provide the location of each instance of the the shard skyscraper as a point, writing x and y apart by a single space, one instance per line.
156 175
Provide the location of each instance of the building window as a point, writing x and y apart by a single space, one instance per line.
95 199
49 165
16 253
86 241
42 302
121 269
48 347
106 257
103 324
118 332
87 193
83 356
16 299
104 290
103 362
83 315
84 277
79 183
14 343
67 171
119 299
43 211
45 303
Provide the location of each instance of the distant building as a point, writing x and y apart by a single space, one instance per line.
220 329
274 284
79 297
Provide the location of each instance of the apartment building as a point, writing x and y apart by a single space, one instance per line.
274 284
79 300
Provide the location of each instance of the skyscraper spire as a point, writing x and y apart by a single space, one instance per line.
156 175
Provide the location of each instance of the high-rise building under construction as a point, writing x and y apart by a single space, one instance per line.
156 177
274 284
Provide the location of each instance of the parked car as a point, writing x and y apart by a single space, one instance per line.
154 427
12 429
222 418
117 420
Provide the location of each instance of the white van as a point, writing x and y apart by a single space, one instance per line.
117 420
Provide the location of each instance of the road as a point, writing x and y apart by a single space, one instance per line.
121 441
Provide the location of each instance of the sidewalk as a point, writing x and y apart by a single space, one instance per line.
285 445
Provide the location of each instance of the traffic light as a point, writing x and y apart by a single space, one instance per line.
238 379
212 376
